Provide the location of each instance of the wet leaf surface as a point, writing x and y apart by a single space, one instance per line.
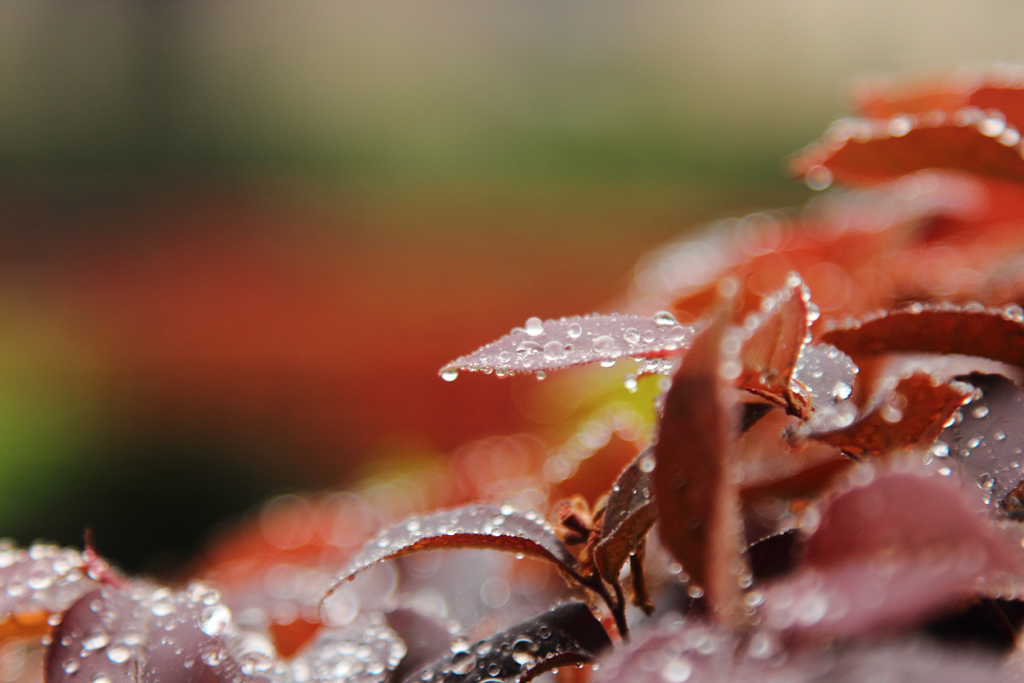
872 150
565 636
689 652
148 634
985 445
363 651
972 330
628 516
474 526
872 566
694 485
771 352
828 373
426 640
42 579
555 344
909 416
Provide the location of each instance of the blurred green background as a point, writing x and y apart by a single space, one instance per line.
237 239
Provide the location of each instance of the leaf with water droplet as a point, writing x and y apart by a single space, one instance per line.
868 151
565 636
139 631
911 415
473 526
41 580
827 373
365 650
872 565
426 640
770 354
996 88
985 446
579 340
628 516
694 483
971 330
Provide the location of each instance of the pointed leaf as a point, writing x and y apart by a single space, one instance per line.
910 415
565 636
872 566
694 485
474 526
771 352
866 150
985 444
972 330
628 516
563 343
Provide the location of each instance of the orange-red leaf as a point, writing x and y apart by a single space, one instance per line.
910 415
694 486
971 330
771 352
871 150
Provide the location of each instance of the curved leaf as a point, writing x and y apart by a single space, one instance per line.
628 516
694 483
908 416
988 87
770 354
972 330
871 150
473 526
563 343
565 636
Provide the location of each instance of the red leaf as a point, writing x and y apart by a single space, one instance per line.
887 556
991 88
771 352
563 343
909 416
694 486
867 151
628 516
565 636
971 330
473 526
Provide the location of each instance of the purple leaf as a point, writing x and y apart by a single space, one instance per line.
363 651
474 526
565 636
563 343
426 639
628 516
143 633
694 479
42 578
985 443
887 556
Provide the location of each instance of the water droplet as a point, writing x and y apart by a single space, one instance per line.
664 318
449 374
528 348
841 391
677 670
999 436
214 620
554 350
118 654
95 640
695 591
649 336
534 327
631 335
1014 312
213 656
101 678
891 413
605 345
980 412
940 449
522 652
574 331
818 178
631 383
974 442
71 666
463 663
